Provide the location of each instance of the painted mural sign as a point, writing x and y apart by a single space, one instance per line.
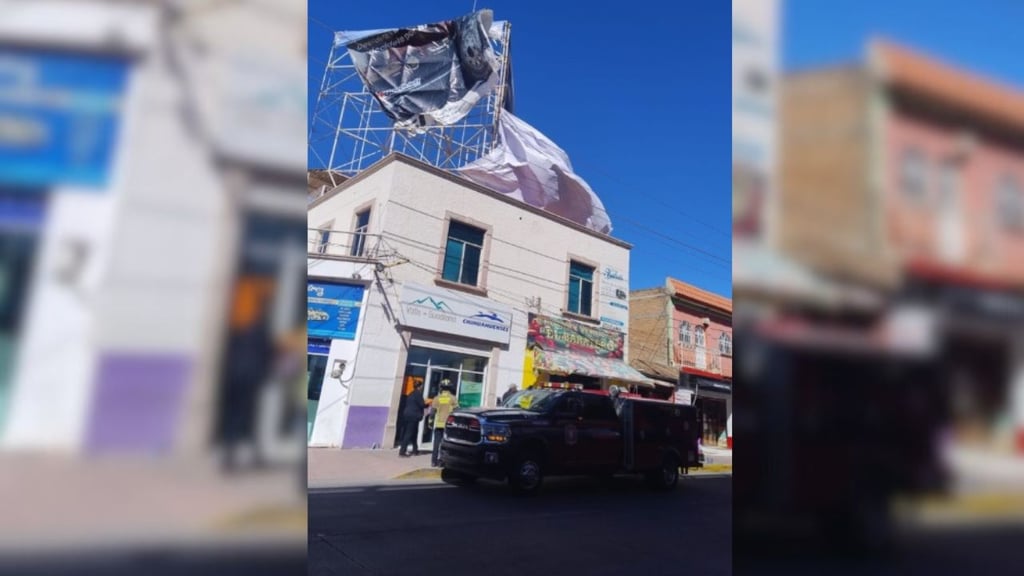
557 334
614 299
456 313
332 310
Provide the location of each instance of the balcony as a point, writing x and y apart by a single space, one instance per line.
706 359
343 244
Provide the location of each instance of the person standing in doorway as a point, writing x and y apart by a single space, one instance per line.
508 394
413 413
444 404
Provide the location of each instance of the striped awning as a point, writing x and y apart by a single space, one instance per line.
567 363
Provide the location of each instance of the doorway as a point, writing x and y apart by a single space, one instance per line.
316 368
700 355
466 373
951 222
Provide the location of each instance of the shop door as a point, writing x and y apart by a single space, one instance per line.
700 356
951 222
316 368
432 387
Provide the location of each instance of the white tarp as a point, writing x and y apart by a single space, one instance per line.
528 166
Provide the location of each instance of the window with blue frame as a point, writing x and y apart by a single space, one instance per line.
581 288
359 235
462 253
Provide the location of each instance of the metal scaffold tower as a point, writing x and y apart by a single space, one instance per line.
349 131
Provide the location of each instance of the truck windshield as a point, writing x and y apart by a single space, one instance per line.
534 400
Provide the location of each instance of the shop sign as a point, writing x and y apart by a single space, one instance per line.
559 334
709 385
614 299
455 313
59 117
332 310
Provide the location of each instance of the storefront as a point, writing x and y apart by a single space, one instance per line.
712 395
21 218
978 340
454 339
566 352
334 310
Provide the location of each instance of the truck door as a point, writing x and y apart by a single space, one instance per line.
600 434
565 448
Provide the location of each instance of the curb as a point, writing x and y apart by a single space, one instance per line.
420 474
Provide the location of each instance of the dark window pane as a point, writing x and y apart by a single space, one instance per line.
460 231
363 219
581 271
452 261
586 293
471 265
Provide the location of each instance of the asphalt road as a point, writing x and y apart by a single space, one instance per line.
162 561
575 526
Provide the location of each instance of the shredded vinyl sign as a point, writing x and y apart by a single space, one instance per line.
427 74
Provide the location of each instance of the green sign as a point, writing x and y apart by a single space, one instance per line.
470 393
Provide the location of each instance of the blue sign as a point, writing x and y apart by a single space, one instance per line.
318 347
59 117
333 310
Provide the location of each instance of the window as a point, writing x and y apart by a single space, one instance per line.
462 253
581 288
359 234
913 175
684 333
725 344
598 408
324 241
698 333
1010 203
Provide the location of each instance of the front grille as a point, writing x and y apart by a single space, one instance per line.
459 430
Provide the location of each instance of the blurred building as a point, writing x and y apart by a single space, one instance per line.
148 203
682 330
416 274
903 176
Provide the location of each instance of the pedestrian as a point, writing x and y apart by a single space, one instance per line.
508 394
444 404
411 416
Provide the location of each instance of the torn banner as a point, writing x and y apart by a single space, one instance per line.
528 166
429 74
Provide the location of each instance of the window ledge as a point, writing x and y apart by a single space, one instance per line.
581 318
477 290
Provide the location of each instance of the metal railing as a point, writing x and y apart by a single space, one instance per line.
343 244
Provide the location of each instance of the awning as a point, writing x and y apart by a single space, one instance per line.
568 363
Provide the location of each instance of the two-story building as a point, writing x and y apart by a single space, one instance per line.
685 331
905 174
416 274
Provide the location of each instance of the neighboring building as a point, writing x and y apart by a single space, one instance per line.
905 175
436 278
686 331
120 291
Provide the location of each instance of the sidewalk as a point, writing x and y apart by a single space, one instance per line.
55 502
334 467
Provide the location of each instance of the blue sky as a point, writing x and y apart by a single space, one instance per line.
640 99
982 35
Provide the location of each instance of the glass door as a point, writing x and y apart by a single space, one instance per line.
316 367
436 376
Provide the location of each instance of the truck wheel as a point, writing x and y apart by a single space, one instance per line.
527 475
450 476
666 477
